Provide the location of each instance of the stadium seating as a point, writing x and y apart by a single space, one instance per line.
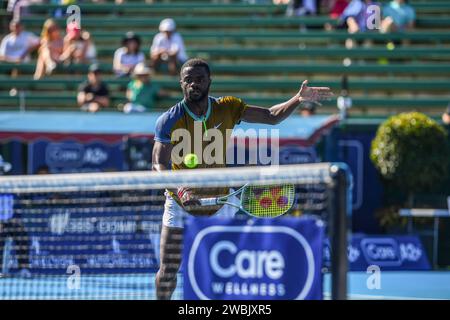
257 53
221 22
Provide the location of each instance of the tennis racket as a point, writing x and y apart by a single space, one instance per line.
268 201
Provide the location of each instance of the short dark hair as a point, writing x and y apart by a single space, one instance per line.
195 63
129 36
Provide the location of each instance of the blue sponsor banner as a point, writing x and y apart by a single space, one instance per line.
110 241
396 252
71 156
228 259
6 207
353 148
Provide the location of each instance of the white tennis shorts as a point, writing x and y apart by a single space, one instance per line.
174 214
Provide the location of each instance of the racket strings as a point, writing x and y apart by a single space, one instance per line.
268 201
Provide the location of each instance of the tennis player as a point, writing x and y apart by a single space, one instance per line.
219 113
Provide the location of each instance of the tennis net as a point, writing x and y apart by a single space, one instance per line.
97 235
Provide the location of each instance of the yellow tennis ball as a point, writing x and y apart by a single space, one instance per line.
191 160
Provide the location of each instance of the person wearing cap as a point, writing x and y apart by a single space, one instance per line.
17 46
78 47
168 47
128 56
141 92
93 94
308 109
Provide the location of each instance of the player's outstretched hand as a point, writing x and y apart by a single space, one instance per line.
186 197
314 94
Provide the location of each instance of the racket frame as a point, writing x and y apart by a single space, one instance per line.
223 200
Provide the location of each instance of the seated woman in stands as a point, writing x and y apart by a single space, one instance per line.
128 56
78 46
398 15
50 50
355 18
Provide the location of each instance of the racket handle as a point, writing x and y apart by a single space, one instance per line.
208 201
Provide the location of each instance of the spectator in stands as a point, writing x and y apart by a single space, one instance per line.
398 16
78 47
128 56
141 92
93 94
355 17
51 49
17 46
168 47
308 109
301 8
336 7
446 116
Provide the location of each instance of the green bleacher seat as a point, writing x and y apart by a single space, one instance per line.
238 84
228 22
210 8
236 52
279 69
280 37
169 8
67 101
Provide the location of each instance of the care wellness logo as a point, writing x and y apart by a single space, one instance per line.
260 261
388 252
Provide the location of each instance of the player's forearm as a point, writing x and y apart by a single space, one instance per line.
281 111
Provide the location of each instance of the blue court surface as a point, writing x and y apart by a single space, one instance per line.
394 285
403 285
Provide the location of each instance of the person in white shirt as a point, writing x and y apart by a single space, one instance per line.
128 56
17 46
168 47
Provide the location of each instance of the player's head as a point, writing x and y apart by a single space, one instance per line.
195 79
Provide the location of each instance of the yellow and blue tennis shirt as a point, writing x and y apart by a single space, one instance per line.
222 114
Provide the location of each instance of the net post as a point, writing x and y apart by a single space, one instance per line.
338 230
